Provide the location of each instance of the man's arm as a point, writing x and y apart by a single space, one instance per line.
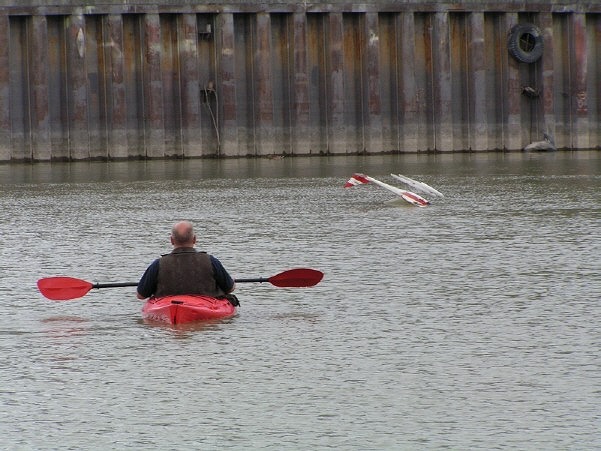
222 277
148 283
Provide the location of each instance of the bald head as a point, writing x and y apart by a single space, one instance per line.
182 234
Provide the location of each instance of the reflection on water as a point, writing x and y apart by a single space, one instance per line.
187 330
465 325
64 326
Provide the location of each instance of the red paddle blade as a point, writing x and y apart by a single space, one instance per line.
63 288
299 277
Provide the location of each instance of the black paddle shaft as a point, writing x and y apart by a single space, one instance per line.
135 284
115 284
260 279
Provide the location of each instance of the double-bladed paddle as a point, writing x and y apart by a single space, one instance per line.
65 288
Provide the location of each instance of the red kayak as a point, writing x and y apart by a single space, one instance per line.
186 308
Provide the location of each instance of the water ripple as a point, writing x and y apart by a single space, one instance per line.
466 325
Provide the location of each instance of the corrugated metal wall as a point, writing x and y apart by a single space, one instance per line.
156 84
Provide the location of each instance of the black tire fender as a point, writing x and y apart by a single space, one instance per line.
525 43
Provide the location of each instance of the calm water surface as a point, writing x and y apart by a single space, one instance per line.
471 324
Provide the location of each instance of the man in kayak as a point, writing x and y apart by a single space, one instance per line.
185 270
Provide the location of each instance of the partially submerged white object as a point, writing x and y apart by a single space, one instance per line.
412 198
421 186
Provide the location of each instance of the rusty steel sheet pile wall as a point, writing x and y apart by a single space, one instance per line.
184 81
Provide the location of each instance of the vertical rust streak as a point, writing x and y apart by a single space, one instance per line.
595 75
131 50
441 74
79 143
408 87
317 80
263 86
58 86
5 138
118 103
388 79
226 85
477 83
301 136
460 81
38 107
190 85
353 75
246 46
209 101
580 93
354 82
19 84
282 86
374 102
545 101
97 82
562 74
426 94
336 125
496 33
153 87
170 102
513 131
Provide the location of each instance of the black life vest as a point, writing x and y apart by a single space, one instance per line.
186 271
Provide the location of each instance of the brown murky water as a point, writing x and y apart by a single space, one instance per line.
470 324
